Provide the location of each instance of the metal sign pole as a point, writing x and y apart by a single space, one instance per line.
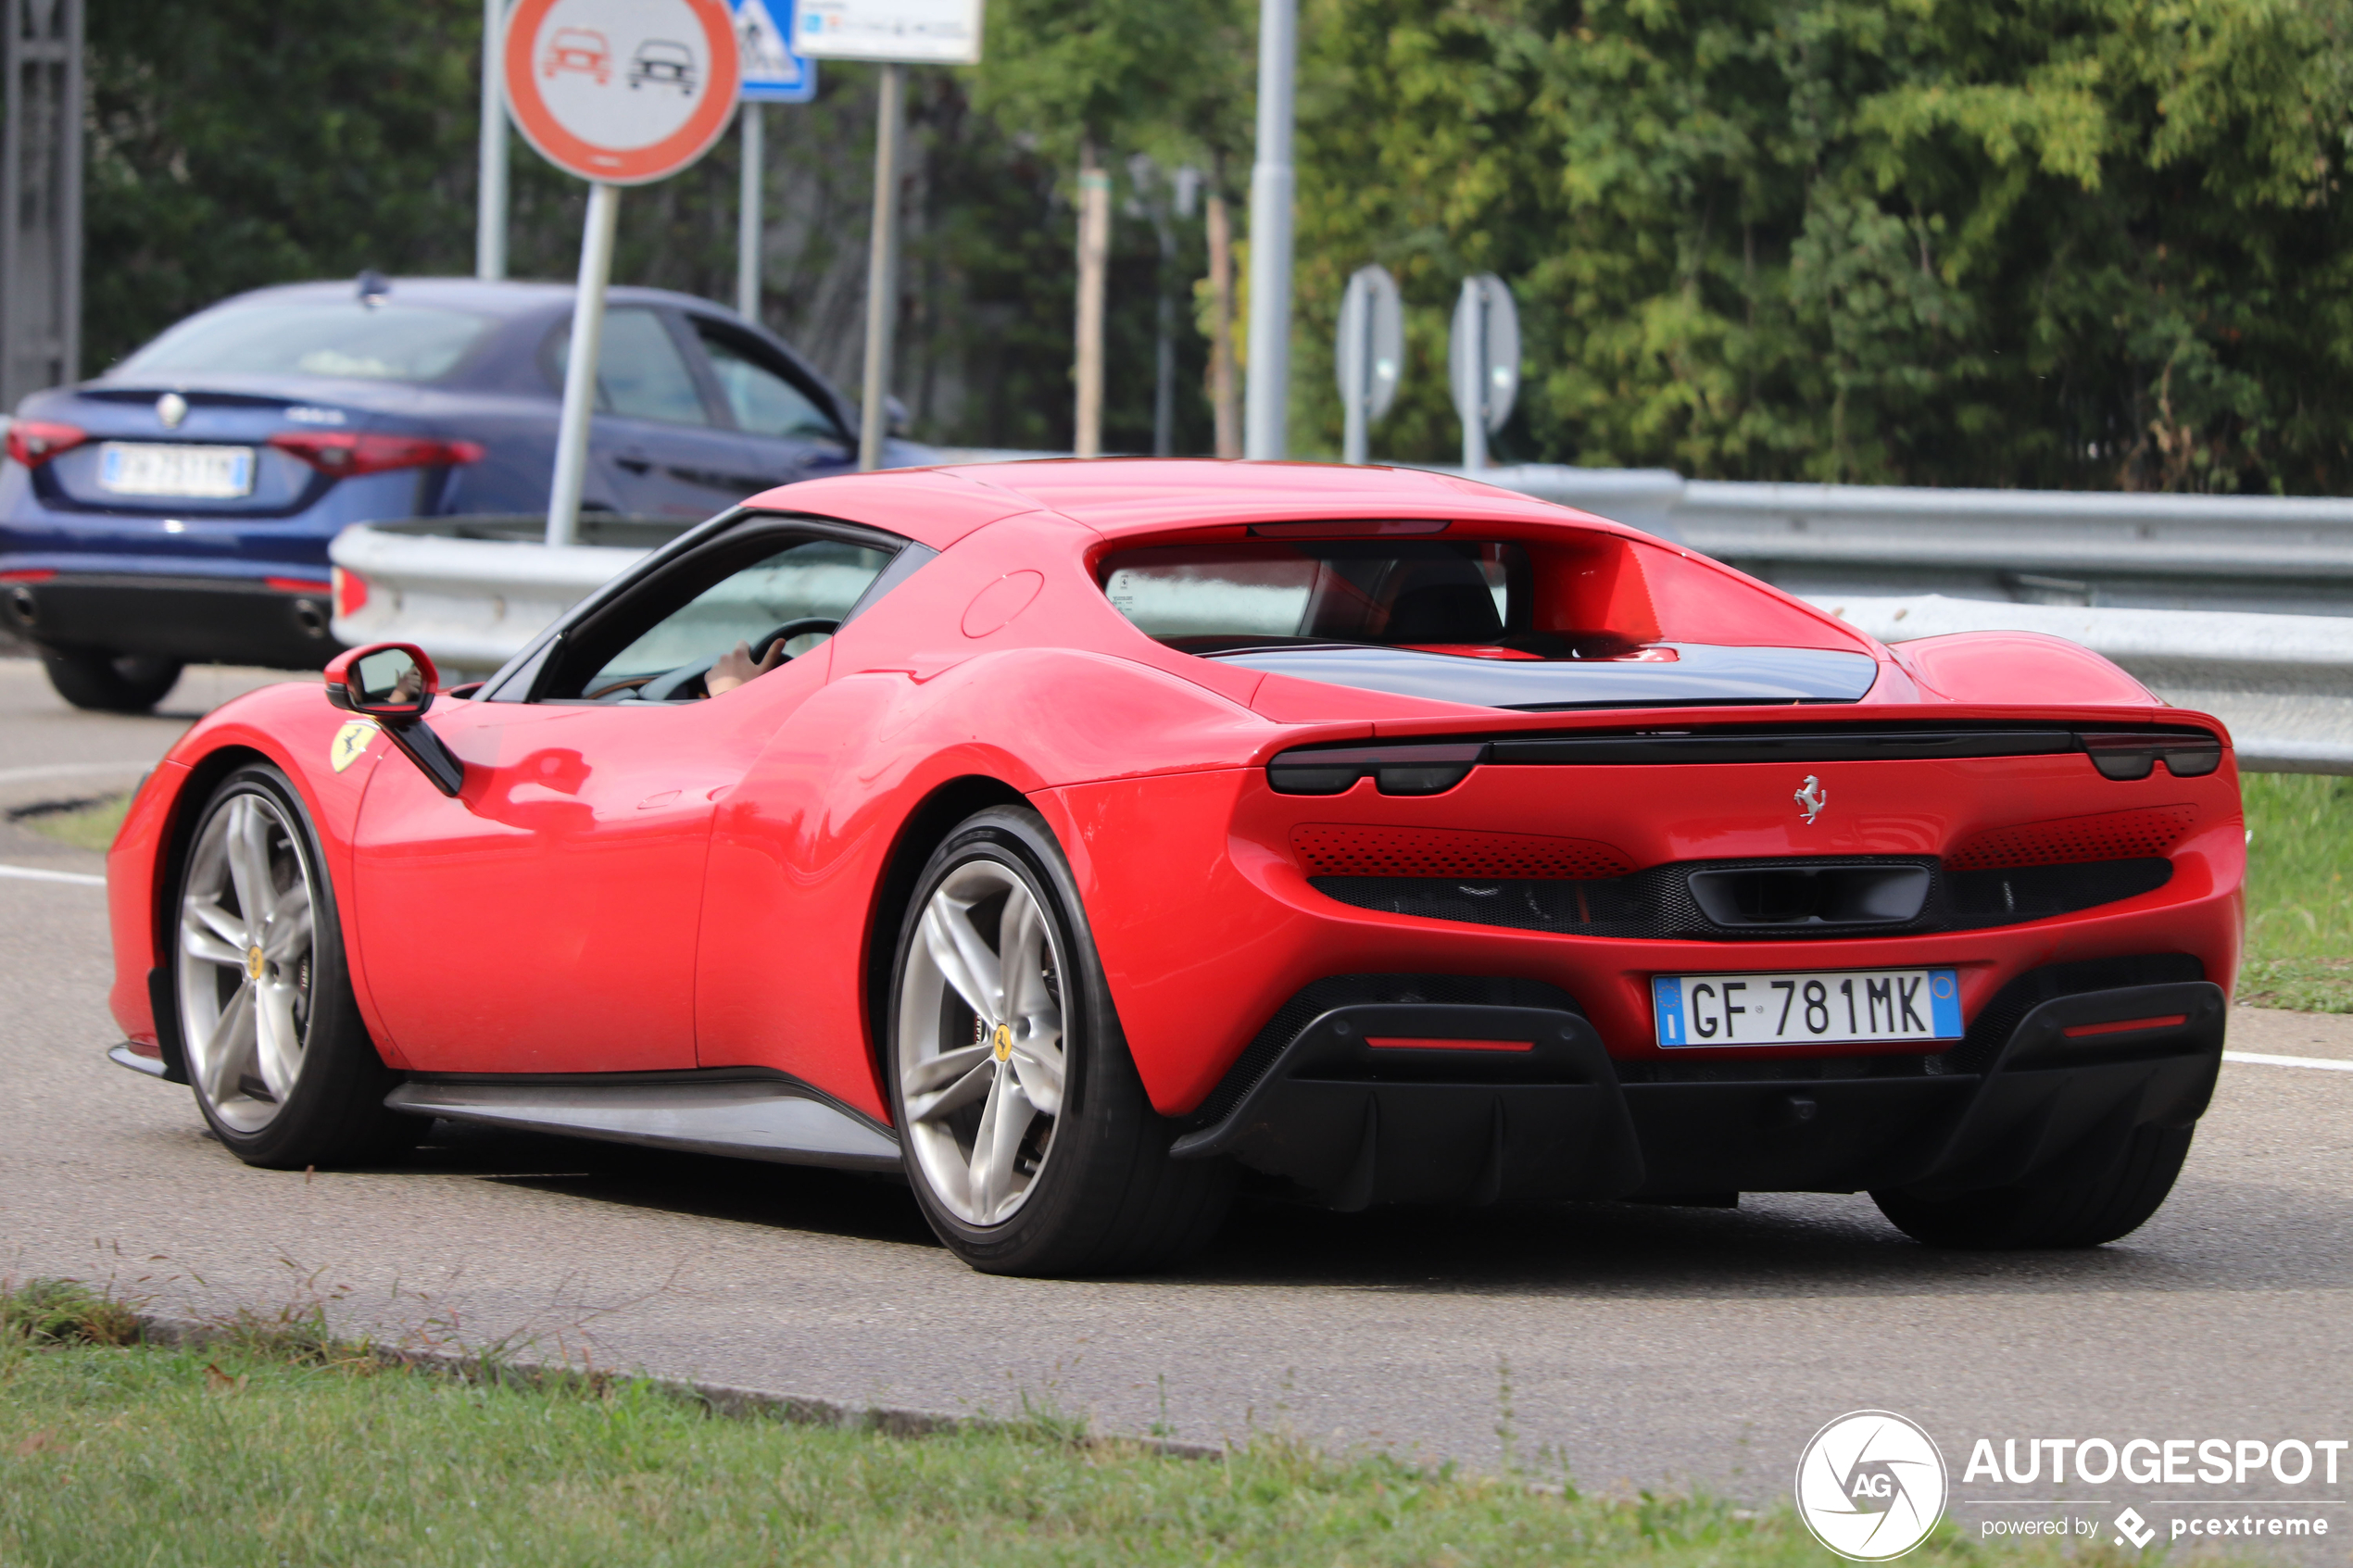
580 367
882 273
1356 362
1475 426
1470 372
490 197
748 235
1271 183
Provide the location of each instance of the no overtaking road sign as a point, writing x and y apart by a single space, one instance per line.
621 91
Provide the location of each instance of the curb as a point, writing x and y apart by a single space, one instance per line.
720 1398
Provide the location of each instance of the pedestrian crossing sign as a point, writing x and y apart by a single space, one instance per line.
772 73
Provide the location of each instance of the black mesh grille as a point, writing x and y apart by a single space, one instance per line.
1354 990
1659 902
2023 893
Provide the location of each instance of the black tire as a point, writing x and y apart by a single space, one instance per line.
334 1114
110 682
2088 1211
1104 1196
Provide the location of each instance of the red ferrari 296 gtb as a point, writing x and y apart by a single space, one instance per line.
1088 840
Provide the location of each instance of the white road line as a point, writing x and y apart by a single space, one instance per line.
29 873
66 769
2326 1065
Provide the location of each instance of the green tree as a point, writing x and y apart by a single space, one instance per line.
2025 242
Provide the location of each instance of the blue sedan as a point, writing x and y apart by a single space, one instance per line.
178 507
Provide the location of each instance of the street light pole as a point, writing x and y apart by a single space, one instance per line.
1271 184
882 271
748 220
490 195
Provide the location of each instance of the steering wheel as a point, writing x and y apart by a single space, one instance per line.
668 685
791 629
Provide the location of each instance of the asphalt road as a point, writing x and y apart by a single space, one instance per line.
1644 1346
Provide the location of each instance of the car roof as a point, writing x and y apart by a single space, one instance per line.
1118 497
506 297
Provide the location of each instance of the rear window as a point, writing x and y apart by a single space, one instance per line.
1600 621
397 342
1209 596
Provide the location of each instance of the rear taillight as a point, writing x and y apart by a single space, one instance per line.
2124 754
1396 770
35 442
351 592
342 453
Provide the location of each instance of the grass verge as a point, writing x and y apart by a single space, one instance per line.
2299 892
289 1448
85 824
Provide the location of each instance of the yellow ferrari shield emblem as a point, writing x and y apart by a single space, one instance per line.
351 743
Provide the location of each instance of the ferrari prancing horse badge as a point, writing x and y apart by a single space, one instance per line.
351 743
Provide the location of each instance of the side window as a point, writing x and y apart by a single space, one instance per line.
805 580
763 402
640 372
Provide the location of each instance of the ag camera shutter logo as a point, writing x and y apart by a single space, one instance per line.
1871 1486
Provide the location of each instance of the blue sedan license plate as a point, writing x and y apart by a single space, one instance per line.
149 467
1825 1007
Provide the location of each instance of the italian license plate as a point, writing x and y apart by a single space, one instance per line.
147 467
1825 1007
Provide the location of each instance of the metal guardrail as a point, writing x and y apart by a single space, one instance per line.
2284 684
471 591
2258 553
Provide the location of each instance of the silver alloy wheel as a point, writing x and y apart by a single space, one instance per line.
980 1042
245 969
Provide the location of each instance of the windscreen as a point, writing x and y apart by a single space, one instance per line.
340 338
1598 621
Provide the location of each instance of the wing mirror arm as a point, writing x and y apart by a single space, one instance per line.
394 684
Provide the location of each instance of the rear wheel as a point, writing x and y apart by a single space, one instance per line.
1027 1133
110 682
282 1065
2091 1212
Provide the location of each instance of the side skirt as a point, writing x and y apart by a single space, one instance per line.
767 1117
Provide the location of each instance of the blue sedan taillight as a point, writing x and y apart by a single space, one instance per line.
343 453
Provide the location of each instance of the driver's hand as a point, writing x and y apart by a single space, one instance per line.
735 666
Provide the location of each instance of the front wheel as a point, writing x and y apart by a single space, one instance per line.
281 1065
1027 1133
110 682
2088 1211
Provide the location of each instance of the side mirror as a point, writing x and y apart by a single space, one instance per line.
390 681
394 684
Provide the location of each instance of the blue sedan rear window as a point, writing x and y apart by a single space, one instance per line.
399 342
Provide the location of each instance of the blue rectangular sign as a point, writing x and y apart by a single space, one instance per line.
773 73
